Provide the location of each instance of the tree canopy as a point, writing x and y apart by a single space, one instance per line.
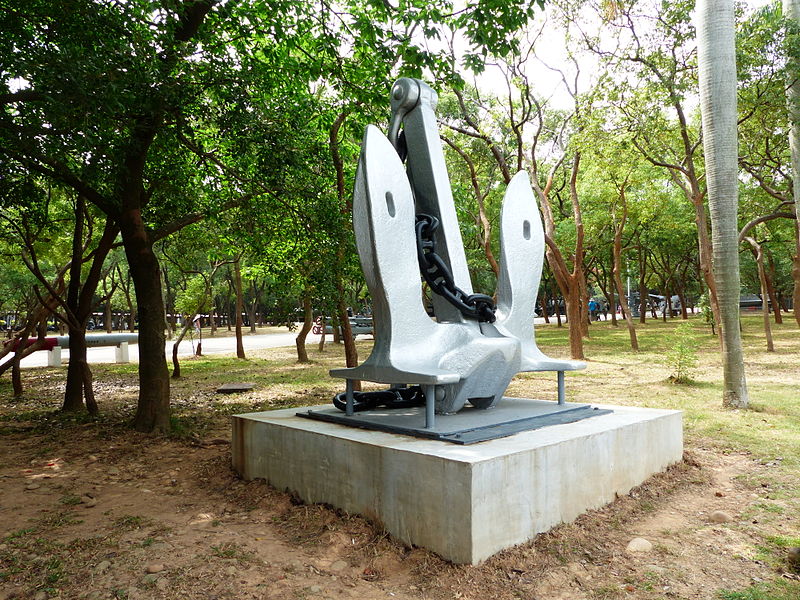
124 123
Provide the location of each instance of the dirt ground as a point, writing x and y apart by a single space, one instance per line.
90 509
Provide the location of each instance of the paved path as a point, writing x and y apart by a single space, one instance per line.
211 345
215 345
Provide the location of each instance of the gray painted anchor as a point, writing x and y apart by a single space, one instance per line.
456 358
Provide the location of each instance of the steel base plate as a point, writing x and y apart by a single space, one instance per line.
469 425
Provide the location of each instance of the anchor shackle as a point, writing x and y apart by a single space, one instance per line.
407 94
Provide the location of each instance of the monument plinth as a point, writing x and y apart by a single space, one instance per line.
464 502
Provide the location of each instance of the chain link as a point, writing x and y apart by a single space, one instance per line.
436 272
438 276
396 397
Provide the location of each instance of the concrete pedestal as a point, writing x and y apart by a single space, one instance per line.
121 354
463 502
54 357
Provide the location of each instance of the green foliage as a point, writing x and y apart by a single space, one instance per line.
504 16
682 357
704 304
194 298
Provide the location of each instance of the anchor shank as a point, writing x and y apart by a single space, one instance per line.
430 183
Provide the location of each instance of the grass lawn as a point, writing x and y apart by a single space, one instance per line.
766 437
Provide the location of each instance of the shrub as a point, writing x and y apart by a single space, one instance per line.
704 304
682 357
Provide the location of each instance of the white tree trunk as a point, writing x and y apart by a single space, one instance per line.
716 59
791 10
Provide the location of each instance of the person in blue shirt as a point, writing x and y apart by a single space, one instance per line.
593 309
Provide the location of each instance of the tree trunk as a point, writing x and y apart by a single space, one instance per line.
612 303
322 325
644 294
626 313
705 255
78 309
573 302
169 303
79 376
682 297
132 313
350 351
251 315
773 295
253 308
558 311
88 390
16 378
758 253
765 305
791 11
108 317
583 302
73 392
578 275
239 307
717 77
152 411
616 274
796 257
572 284
176 365
543 304
337 332
308 322
21 350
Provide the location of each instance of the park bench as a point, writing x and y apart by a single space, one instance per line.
358 326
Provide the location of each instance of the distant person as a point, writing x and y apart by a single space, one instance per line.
605 311
593 309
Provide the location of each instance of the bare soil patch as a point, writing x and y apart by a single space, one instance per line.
85 512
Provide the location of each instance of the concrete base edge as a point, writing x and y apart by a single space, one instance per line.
463 502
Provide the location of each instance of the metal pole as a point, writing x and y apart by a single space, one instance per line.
561 398
349 395
430 405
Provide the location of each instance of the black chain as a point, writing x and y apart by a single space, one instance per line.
438 276
392 398
434 270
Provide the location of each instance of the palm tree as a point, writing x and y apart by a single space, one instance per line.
716 59
791 10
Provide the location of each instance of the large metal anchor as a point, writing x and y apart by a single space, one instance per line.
465 354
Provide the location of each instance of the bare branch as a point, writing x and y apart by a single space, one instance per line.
763 219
